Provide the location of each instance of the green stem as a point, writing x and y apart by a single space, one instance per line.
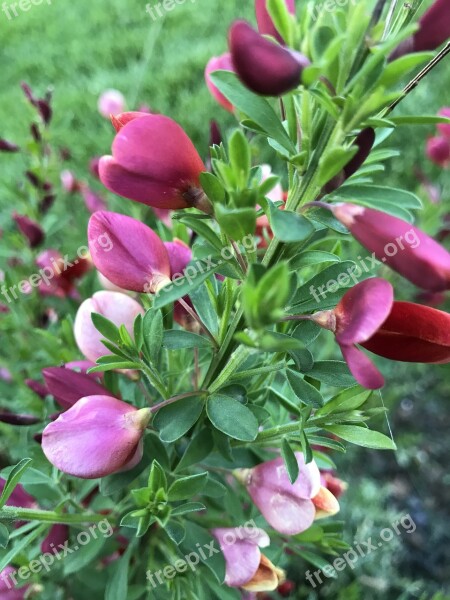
154 380
16 513
176 398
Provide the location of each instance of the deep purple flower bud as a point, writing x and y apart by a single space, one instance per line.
263 66
246 566
98 436
6 146
288 508
46 203
56 538
265 23
14 419
398 244
38 388
93 166
34 179
180 255
67 386
136 259
93 201
117 307
215 135
438 150
35 133
19 497
29 229
434 27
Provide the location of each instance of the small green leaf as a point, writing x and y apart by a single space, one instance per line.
174 420
177 339
187 508
287 226
4 536
332 163
361 436
117 586
240 157
232 418
236 222
187 487
13 479
212 188
182 286
198 449
345 401
304 391
290 460
153 333
332 372
106 328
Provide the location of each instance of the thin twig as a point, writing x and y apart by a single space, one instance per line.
176 398
196 318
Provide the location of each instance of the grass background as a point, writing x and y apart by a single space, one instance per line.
80 49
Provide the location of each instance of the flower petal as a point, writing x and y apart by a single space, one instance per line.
362 368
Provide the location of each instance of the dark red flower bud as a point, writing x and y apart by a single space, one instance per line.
438 150
364 141
6 146
434 27
68 386
413 333
46 203
265 23
38 388
215 137
286 588
93 166
29 229
263 66
12 419
36 134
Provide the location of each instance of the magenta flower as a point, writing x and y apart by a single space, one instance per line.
56 537
93 201
111 102
246 566
404 248
8 589
97 436
288 508
154 162
93 166
357 317
136 260
180 255
263 66
31 230
265 23
219 63
438 150
120 120
67 386
118 308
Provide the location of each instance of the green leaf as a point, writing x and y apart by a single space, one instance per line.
175 531
182 286
304 391
174 420
281 18
307 332
240 157
232 418
332 372
372 195
153 333
117 586
333 162
83 555
138 332
317 561
214 488
361 436
397 69
236 222
255 107
198 449
187 487
345 401
290 460
312 257
187 508
177 339
287 226
4 536
106 328
200 226
419 120
21 545
199 535
212 188
13 479
157 479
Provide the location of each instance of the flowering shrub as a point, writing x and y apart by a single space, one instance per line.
199 418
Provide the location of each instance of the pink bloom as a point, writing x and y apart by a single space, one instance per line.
265 23
180 255
59 275
31 230
219 63
333 484
288 508
8 590
69 181
98 436
118 308
68 386
119 121
360 313
164 215
246 566
137 259
93 166
404 248
263 66
438 150
111 102
154 162
92 200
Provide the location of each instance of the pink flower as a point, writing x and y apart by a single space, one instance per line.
68 386
404 248
265 23
154 162
69 181
219 63
289 508
31 230
119 121
56 537
263 66
111 102
92 200
8 590
98 436
137 259
118 308
360 313
246 566
438 150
